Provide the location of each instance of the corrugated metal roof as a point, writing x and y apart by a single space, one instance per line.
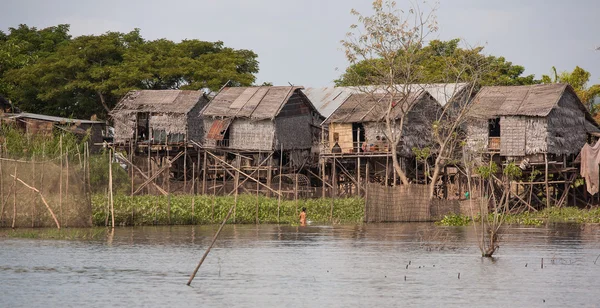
249 102
363 107
165 101
328 99
35 116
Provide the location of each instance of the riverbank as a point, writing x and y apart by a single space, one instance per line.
549 215
206 209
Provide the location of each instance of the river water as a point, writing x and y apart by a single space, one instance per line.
375 265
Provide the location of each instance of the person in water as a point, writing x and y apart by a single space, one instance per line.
303 217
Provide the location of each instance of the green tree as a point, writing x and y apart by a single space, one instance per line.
88 74
578 79
431 66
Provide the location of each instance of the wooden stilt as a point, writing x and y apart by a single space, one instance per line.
212 209
236 182
60 182
110 188
334 183
323 178
185 165
359 186
366 191
193 191
14 218
204 174
67 185
270 174
279 187
546 180
168 175
257 190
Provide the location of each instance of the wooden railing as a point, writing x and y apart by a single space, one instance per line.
494 144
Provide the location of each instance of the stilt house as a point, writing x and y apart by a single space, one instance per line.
529 121
361 117
261 119
159 116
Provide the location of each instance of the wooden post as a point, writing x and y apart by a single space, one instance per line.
258 186
270 174
366 190
110 188
32 183
236 183
14 197
359 186
168 179
60 182
212 209
334 188
279 188
193 190
185 164
66 184
211 245
296 192
204 174
149 166
323 177
546 181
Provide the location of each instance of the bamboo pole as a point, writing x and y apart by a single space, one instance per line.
33 183
185 165
334 183
366 191
193 190
149 167
296 192
14 198
279 188
67 181
60 180
132 177
323 177
110 189
148 182
257 189
1 187
168 179
546 180
41 196
237 181
212 209
269 174
226 164
211 245
204 174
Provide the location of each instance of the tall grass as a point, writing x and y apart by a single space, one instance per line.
149 210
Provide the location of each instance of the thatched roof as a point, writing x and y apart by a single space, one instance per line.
257 103
158 101
363 107
328 99
533 100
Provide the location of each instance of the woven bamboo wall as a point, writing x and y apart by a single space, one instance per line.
344 131
512 136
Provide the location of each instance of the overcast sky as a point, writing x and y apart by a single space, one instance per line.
298 41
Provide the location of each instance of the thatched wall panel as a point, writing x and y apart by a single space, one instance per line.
173 125
294 132
477 135
536 133
195 126
566 126
124 126
251 135
512 136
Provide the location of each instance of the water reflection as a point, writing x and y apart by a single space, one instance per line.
275 265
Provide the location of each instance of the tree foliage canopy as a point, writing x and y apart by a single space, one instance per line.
578 79
48 71
441 62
